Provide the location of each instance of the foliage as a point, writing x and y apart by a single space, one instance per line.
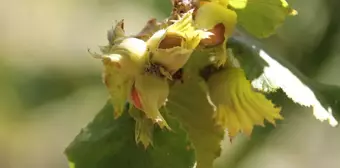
106 142
178 85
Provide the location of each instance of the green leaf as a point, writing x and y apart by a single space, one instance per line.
251 63
261 18
188 103
329 96
107 143
279 74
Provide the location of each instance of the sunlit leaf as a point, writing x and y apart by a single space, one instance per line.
238 4
278 74
261 18
329 96
107 143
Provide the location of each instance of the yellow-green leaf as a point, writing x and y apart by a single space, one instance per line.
238 4
261 18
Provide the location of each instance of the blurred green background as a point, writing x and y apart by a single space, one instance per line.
51 87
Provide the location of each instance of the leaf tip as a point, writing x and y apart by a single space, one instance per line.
71 165
292 12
